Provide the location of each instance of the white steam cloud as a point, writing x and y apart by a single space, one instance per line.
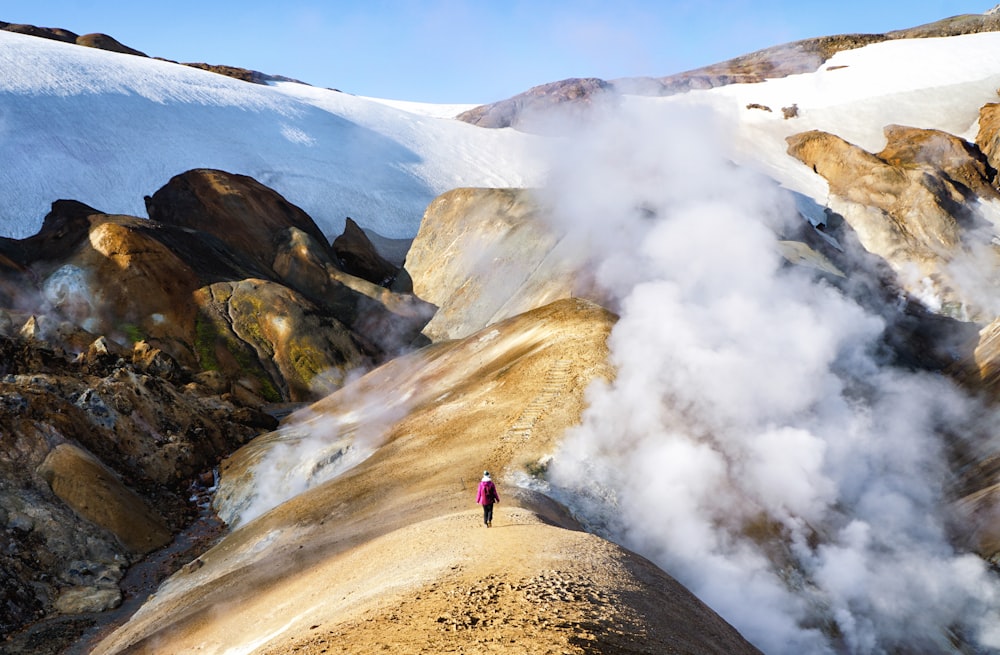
751 443
310 449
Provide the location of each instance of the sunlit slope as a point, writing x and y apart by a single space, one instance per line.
393 551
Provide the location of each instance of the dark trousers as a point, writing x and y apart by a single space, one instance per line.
488 514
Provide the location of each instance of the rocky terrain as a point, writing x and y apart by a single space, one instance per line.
468 231
137 353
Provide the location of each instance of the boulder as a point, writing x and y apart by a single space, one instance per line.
359 257
913 205
95 493
272 340
83 600
238 210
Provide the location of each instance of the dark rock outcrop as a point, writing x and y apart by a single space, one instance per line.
53 33
109 43
359 258
234 208
95 40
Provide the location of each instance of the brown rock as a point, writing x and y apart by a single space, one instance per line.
961 163
63 229
100 41
269 337
95 493
383 320
909 204
988 137
54 33
483 255
139 280
141 288
105 42
236 209
75 432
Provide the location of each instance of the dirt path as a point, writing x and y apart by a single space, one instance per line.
524 585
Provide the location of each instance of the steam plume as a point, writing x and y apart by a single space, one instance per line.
752 442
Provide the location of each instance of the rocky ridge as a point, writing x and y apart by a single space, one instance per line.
138 353
387 554
529 111
105 42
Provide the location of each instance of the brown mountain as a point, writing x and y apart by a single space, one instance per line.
527 110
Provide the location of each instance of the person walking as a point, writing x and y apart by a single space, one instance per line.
486 496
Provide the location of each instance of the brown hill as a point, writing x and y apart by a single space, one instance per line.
392 554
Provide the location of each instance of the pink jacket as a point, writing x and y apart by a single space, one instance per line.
487 494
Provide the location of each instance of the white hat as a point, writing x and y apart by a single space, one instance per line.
486 474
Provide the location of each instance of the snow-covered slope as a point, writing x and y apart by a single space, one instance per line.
107 129
937 83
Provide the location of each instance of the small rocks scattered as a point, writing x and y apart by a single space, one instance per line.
554 600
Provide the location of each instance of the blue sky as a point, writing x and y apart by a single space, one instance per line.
471 51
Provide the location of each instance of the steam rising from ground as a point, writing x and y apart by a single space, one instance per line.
752 444
311 449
